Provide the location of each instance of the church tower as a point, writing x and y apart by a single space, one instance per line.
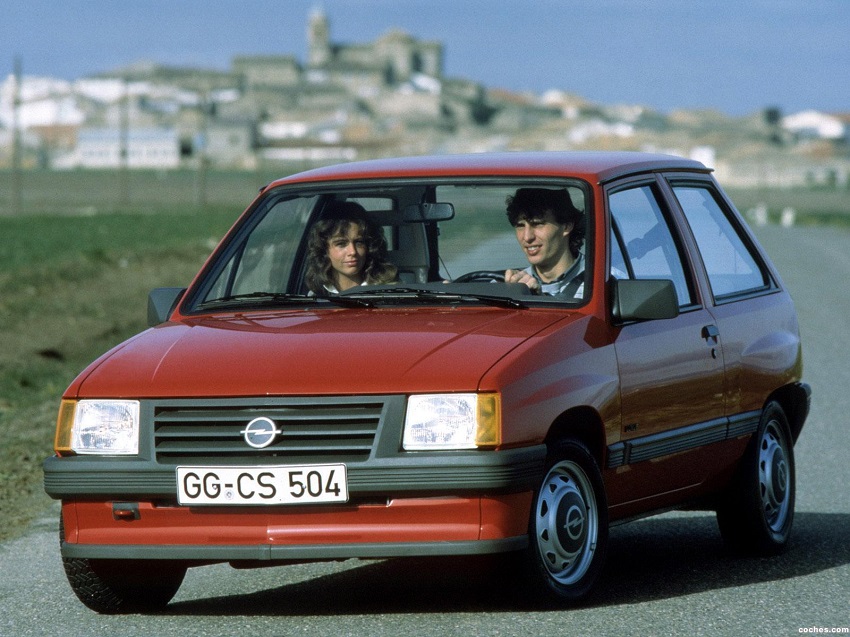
318 39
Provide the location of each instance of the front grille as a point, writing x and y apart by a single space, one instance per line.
335 429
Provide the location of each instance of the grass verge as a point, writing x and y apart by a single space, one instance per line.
71 288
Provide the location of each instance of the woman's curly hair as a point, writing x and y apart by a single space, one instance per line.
336 218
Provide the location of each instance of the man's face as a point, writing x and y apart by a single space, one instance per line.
544 240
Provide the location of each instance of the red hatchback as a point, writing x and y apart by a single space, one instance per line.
441 356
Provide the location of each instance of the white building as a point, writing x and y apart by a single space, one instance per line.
42 101
813 124
146 148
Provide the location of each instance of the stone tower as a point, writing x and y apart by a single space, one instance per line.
318 39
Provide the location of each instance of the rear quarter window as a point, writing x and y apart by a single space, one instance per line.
732 265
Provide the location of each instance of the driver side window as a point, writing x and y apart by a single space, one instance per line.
642 245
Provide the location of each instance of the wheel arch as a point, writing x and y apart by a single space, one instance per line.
795 400
584 425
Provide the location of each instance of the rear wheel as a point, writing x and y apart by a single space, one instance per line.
568 529
758 511
122 586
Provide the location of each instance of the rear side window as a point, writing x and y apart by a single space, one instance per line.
732 265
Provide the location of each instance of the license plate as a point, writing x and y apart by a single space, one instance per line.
291 484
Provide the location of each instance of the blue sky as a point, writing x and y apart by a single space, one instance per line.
737 56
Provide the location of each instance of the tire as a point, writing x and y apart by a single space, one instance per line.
756 515
568 527
123 586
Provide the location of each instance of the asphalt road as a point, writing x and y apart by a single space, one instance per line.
667 575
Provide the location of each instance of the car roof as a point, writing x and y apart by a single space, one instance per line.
593 166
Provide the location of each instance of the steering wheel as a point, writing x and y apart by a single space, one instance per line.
481 276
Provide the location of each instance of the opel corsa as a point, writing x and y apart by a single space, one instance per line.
446 412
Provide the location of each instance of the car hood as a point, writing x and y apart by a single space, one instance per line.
341 351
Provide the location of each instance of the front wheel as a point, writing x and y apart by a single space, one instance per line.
123 586
568 529
757 513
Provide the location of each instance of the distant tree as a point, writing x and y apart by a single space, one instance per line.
481 112
773 119
772 115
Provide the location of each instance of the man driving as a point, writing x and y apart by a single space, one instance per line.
550 230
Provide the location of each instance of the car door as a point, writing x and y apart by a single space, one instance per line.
671 370
753 316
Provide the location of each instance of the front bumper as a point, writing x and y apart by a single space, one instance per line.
409 474
413 504
398 527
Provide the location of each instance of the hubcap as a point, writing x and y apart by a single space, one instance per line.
774 477
571 523
566 523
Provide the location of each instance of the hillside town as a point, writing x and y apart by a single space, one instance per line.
349 101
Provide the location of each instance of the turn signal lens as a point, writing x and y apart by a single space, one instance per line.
64 428
489 430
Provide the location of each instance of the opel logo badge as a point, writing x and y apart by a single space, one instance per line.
575 523
260 432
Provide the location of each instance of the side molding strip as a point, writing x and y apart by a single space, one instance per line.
682 439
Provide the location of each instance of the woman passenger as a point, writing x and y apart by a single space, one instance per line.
345 250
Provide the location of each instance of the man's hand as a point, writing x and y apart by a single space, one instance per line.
521 276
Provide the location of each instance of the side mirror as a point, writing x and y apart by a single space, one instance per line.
644 300
161 303
419 212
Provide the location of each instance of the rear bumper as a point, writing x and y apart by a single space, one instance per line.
395 528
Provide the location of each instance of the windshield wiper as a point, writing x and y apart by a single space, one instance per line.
257 298
487 299
346 300
498 301
401 293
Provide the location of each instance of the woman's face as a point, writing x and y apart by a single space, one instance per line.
347 253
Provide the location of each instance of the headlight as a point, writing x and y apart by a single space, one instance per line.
452 421
108 427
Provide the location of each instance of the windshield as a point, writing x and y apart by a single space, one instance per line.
405 243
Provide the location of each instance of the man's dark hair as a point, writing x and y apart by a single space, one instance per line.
532 203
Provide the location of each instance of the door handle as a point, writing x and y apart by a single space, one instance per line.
712 336
710 332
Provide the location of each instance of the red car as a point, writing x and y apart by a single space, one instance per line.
447 355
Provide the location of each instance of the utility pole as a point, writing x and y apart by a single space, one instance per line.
201 176
123 147
17 177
